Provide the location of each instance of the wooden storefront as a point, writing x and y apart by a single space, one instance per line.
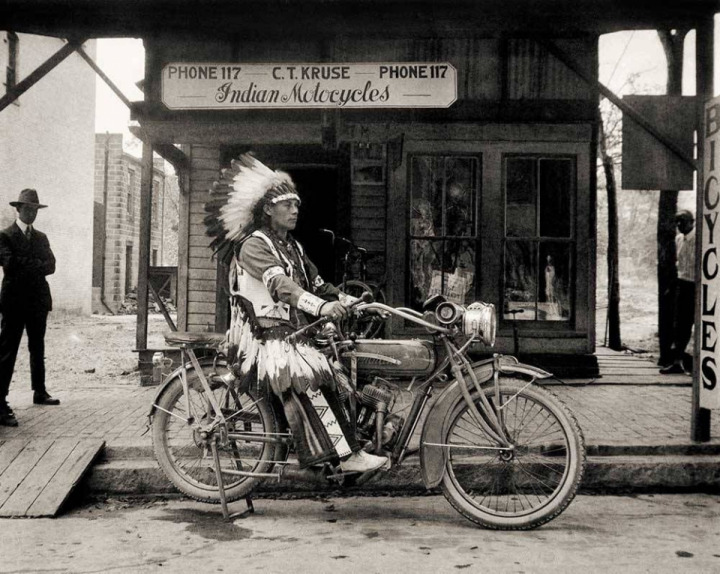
491 198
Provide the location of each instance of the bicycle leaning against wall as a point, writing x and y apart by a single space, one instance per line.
353 281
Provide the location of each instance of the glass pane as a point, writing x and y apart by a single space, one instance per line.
556 197
460 196
555 282
426 199
520 189
459 268
520 280
424 265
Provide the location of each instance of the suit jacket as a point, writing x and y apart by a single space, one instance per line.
25 264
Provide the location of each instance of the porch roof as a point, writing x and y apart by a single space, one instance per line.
325 18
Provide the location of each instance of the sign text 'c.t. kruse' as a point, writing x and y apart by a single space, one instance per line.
187 86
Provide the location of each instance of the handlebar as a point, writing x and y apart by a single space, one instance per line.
365 298
403 314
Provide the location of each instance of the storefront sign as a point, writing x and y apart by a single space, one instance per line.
196 86
710 263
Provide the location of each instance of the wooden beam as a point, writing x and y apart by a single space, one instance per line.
99 72
39 73
610 95
146 190
163 309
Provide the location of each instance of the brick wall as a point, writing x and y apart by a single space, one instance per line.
122 216
47 142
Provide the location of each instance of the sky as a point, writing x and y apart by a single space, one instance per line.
622 54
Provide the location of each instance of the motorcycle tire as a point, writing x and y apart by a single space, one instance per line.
187 461
523 488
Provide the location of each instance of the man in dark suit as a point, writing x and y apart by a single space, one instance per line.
25 300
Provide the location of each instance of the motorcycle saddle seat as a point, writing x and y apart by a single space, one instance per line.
193 339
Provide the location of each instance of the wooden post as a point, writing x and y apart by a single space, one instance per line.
704 69
144 252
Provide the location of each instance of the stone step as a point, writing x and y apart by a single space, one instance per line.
604 474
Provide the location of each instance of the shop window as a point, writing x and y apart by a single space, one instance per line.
11 70
539 238
444 197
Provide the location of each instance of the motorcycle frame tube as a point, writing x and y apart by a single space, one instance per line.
419 402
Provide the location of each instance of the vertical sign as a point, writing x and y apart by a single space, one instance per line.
710 263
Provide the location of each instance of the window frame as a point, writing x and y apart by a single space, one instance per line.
537 240
478 210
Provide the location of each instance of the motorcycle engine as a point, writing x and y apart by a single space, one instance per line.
377 400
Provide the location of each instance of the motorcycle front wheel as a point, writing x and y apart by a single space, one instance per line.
519 488
186 459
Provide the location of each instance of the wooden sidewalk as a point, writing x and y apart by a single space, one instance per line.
38 474
621 368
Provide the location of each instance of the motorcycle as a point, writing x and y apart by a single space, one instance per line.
506 453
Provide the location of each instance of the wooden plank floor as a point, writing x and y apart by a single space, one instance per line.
624 368
38 474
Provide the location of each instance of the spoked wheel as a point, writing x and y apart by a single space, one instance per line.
522 487
186 457
369 326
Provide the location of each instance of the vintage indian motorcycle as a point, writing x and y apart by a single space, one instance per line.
506 453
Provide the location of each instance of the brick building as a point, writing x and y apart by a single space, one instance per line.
117 221
46 142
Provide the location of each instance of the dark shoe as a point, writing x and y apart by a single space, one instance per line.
44 399
674 369
7 418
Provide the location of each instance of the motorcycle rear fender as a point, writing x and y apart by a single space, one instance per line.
208 362
434 458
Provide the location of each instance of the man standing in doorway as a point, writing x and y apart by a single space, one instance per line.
25 300
684 290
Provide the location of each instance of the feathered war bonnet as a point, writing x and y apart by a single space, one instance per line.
234 198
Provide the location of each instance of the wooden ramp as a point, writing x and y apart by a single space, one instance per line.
37 475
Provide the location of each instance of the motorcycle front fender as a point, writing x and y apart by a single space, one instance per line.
433 459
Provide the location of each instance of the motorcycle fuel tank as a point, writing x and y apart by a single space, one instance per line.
400 358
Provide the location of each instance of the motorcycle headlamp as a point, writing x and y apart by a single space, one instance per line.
480 320
448 313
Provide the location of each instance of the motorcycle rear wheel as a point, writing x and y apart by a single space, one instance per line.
187 460
527 486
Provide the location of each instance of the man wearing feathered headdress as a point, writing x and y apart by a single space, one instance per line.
275 290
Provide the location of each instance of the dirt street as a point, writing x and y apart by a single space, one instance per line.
674 533
89 351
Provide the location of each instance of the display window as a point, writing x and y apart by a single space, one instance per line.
443 227
539 242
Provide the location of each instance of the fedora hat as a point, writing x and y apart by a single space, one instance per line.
27 197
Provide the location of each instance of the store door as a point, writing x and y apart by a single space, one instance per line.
318 189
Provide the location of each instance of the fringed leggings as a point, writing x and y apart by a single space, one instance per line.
320 427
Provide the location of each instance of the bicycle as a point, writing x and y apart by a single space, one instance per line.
367 327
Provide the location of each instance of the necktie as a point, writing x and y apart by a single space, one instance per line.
28 231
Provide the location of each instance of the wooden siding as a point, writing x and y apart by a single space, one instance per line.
202 268
533 73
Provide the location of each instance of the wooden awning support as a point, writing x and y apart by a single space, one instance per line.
146 192
641 120
108 81
39 73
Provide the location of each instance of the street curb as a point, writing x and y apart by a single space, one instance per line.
651 474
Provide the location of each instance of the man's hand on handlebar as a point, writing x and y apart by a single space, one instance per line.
333 310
